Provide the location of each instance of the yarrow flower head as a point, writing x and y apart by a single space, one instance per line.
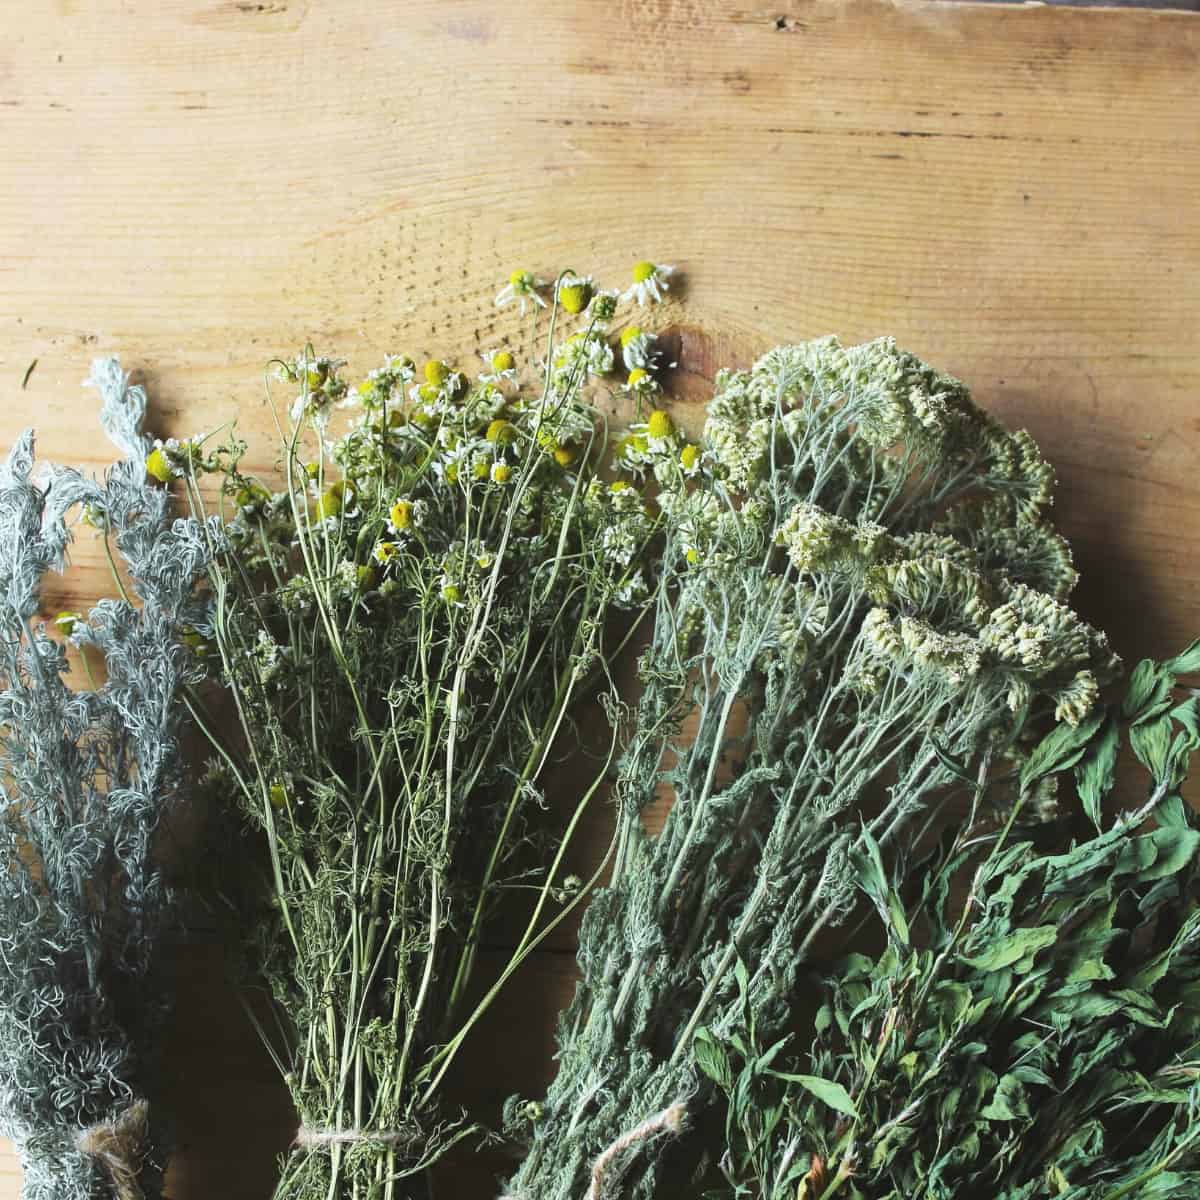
522 287
649 283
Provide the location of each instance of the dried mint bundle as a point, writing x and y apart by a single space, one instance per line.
88 778
1032 1034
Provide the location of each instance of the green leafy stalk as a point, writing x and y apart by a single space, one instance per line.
1041 1039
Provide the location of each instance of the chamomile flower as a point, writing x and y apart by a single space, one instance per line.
485 404
583 352
501 472
436 395
385 552
67 621
641 385
659 425
501 433
604 304
575 293
397 372
649 283
689 460
639 348
501 368
562 453
320 387
522 287
173 459
402 515
157 465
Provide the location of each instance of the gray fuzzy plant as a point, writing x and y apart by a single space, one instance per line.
88 777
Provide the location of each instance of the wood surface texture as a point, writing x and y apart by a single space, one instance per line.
200 185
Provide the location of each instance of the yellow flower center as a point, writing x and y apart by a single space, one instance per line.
693 556
574 297
157 466
400 514
520 279
452 472
436 372
689 456
480 470
278 795
660 424
619 485
627 335
66 621
451 594
502 360
564 456
384 552
501 432
501 472
643 271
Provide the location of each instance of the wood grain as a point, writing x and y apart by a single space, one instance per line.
202 184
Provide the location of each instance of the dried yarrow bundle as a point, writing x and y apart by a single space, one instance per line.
405 630
1032 1034
859 611
88 777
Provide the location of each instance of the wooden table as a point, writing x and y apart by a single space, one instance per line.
203 184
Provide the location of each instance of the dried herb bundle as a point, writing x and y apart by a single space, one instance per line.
405 630
88 777
1038 1038
860 609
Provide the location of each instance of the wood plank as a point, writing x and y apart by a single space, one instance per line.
202 184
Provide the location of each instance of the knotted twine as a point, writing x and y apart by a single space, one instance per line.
670 1120
307 1138
119 1146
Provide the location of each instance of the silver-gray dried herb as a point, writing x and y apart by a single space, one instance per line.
86 779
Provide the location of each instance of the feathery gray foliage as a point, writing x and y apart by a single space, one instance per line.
85 780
